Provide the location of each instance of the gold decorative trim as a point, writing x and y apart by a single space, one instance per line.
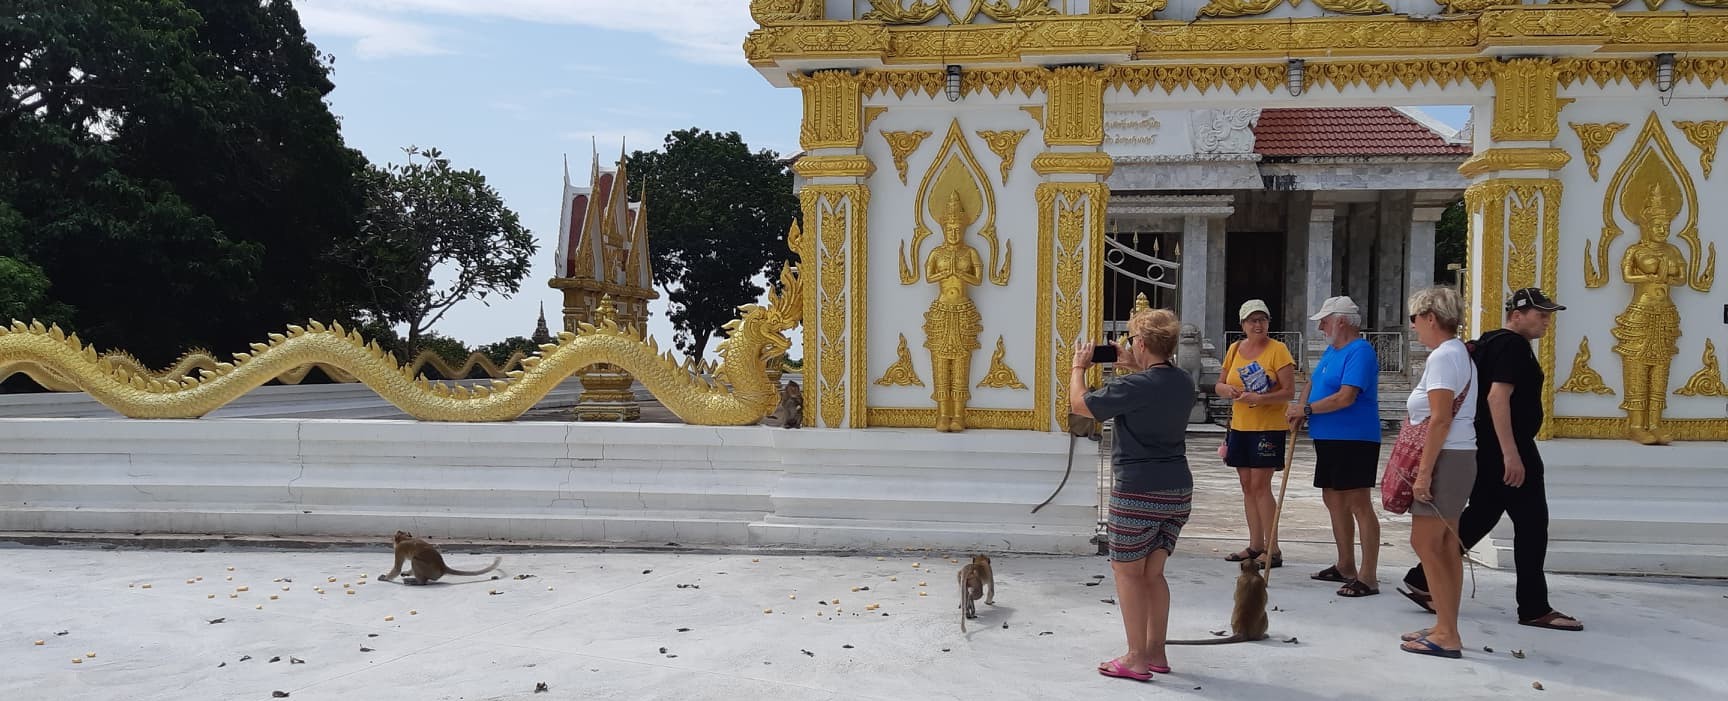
1264 39
1005 144
1553 24
1201 77
900 145
901 373
1526 101
1036 112
1440 72
1238 8
1074 111
1139 9
1071 220
1501 159
1652 143
1511 211
1594 137
1354 7
870 115
1707 382
1704 135
860 336
1470 6
1584 379
1000 375
834 166
1006 419
833 110
1615 428
1087 163
825 205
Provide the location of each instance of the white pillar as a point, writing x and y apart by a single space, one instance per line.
1216 315
1296 303
1195 253
1390 254
1419 265
1320 257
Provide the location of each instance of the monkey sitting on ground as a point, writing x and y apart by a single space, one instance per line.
426 563
974 577
1248 621
790 412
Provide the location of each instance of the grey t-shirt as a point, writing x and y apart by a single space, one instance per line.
1151 412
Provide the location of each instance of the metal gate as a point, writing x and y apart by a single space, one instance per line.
1136 270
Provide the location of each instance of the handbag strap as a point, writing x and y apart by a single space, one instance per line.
1229 359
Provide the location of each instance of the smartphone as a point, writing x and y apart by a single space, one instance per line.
1104 354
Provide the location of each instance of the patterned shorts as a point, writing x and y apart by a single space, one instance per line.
1141 522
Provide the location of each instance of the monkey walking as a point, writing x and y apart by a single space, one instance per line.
426 563
1248 621
790 412
974 577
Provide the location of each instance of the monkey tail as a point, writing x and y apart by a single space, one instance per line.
478 572
1216 641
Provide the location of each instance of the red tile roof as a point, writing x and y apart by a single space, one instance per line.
1348 131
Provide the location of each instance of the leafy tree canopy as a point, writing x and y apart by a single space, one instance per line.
717 218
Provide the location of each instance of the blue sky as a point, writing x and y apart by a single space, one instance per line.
509 87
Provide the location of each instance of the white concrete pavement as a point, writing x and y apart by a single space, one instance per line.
645 625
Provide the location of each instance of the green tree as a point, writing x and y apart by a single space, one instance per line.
426 220
501 351
1451 237
175 175
717 219
450 349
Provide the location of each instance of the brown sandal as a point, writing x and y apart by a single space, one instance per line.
1355 589
1245 554
1551 621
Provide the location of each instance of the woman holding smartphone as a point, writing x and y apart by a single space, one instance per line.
1152 487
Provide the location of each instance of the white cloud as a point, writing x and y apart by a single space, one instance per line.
375 36
706 31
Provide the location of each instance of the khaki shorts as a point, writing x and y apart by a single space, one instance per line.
1454 477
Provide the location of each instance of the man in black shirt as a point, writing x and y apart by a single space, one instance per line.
1508 466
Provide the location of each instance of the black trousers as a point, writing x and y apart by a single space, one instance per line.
1528 507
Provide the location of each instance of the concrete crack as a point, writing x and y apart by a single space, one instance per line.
299 457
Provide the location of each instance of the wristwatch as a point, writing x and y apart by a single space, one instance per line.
1308 411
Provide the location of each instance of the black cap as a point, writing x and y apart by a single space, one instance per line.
1531 298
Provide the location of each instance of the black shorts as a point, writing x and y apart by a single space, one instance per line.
1255 449
1345 464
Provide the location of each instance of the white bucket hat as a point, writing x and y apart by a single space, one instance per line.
1335 305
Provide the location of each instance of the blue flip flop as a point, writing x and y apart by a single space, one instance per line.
1431 649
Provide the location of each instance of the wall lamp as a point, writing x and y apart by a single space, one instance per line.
1665 76
1296 76
953 85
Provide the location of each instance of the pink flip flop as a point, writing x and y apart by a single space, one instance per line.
1115 668
1158 669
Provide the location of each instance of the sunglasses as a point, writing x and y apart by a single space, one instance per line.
1413 317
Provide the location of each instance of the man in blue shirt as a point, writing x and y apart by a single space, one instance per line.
1343 414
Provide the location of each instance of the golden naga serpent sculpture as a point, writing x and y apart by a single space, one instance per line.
740 393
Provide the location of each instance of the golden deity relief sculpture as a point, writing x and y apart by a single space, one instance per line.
1648 332
1704 135
1708 381
957 194
901 373
1594 138
1005 144
1584 379
1000 376
1652 161
901 144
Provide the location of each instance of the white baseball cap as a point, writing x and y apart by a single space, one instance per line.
1251 306
1335 305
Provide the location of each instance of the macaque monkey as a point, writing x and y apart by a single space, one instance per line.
1248 620
425 562
974 577
790 412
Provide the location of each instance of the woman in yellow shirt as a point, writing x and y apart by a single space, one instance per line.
1259 375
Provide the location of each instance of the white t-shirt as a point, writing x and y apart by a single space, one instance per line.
1449 367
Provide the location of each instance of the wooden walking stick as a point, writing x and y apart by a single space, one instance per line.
1278 511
